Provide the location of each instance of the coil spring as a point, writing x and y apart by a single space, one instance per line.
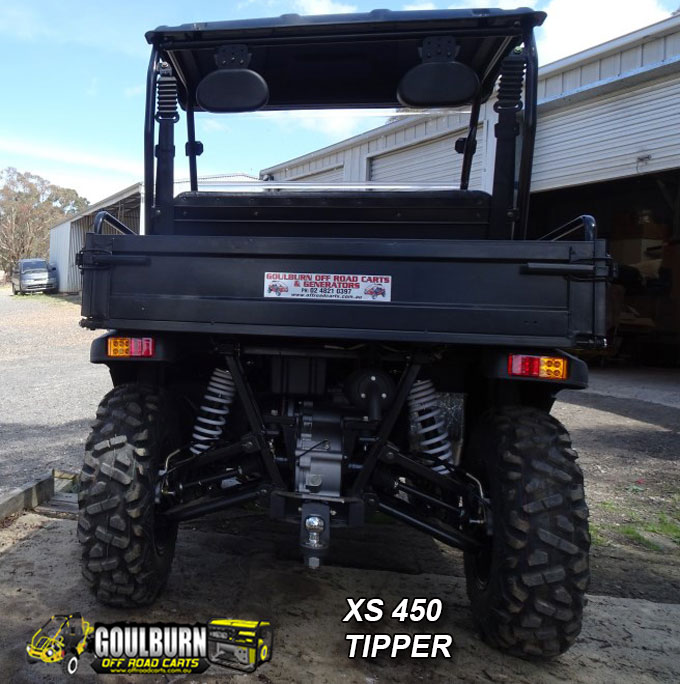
511 83
166 96
429 424
211 419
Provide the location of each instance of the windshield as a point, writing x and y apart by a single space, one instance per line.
347 149
52 626
31 265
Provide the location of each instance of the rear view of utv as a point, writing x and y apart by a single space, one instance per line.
326 353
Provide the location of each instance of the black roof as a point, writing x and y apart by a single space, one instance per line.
343 60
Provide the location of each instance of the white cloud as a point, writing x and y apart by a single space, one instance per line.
323 7
42 149
575 25
133 91
420 6
48 24
93 185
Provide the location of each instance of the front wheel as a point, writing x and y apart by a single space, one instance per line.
69 665
127 546
527 584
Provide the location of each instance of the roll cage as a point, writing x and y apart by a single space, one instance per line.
311 62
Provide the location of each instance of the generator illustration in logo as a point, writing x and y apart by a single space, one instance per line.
278 288
239 644
375 291
62 639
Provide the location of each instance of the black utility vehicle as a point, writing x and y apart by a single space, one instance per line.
303 348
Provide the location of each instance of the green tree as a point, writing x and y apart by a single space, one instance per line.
29 207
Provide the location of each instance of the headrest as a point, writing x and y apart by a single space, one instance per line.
232 90
438 84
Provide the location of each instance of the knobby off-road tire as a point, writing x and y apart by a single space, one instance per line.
527 587
69 665
127 546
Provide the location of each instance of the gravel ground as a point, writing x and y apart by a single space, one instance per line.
50 391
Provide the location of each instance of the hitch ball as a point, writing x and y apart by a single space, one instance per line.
314 525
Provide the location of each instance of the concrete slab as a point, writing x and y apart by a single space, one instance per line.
653 385
27 496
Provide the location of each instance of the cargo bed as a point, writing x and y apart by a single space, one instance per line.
491 292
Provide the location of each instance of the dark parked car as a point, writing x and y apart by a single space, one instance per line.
33 275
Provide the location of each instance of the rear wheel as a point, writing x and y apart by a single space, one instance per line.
127 546
14 289
527 584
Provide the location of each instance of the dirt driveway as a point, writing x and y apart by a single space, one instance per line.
240 565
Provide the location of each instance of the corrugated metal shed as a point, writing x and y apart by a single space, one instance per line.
613 136
60 240
607 112
68 238
332 175
431 160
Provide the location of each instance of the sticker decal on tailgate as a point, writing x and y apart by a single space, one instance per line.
365 288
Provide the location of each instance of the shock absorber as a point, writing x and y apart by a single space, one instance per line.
211 418
429 425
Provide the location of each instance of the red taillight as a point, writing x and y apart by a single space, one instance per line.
547 367
130 346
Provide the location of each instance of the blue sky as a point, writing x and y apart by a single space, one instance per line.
73 73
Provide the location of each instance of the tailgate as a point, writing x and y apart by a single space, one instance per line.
528 293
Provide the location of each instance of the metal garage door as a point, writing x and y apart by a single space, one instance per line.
328 176
435 161
617 135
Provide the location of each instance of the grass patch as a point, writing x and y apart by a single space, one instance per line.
596 536
608 505
56 298
665 526
634 534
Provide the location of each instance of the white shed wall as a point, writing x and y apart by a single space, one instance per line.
60 240
612 136
433 161
608 112
335 175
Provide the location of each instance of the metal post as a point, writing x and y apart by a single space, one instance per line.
149 139
191 148
528 132
470 145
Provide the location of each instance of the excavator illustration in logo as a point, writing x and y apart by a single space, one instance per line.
63 638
